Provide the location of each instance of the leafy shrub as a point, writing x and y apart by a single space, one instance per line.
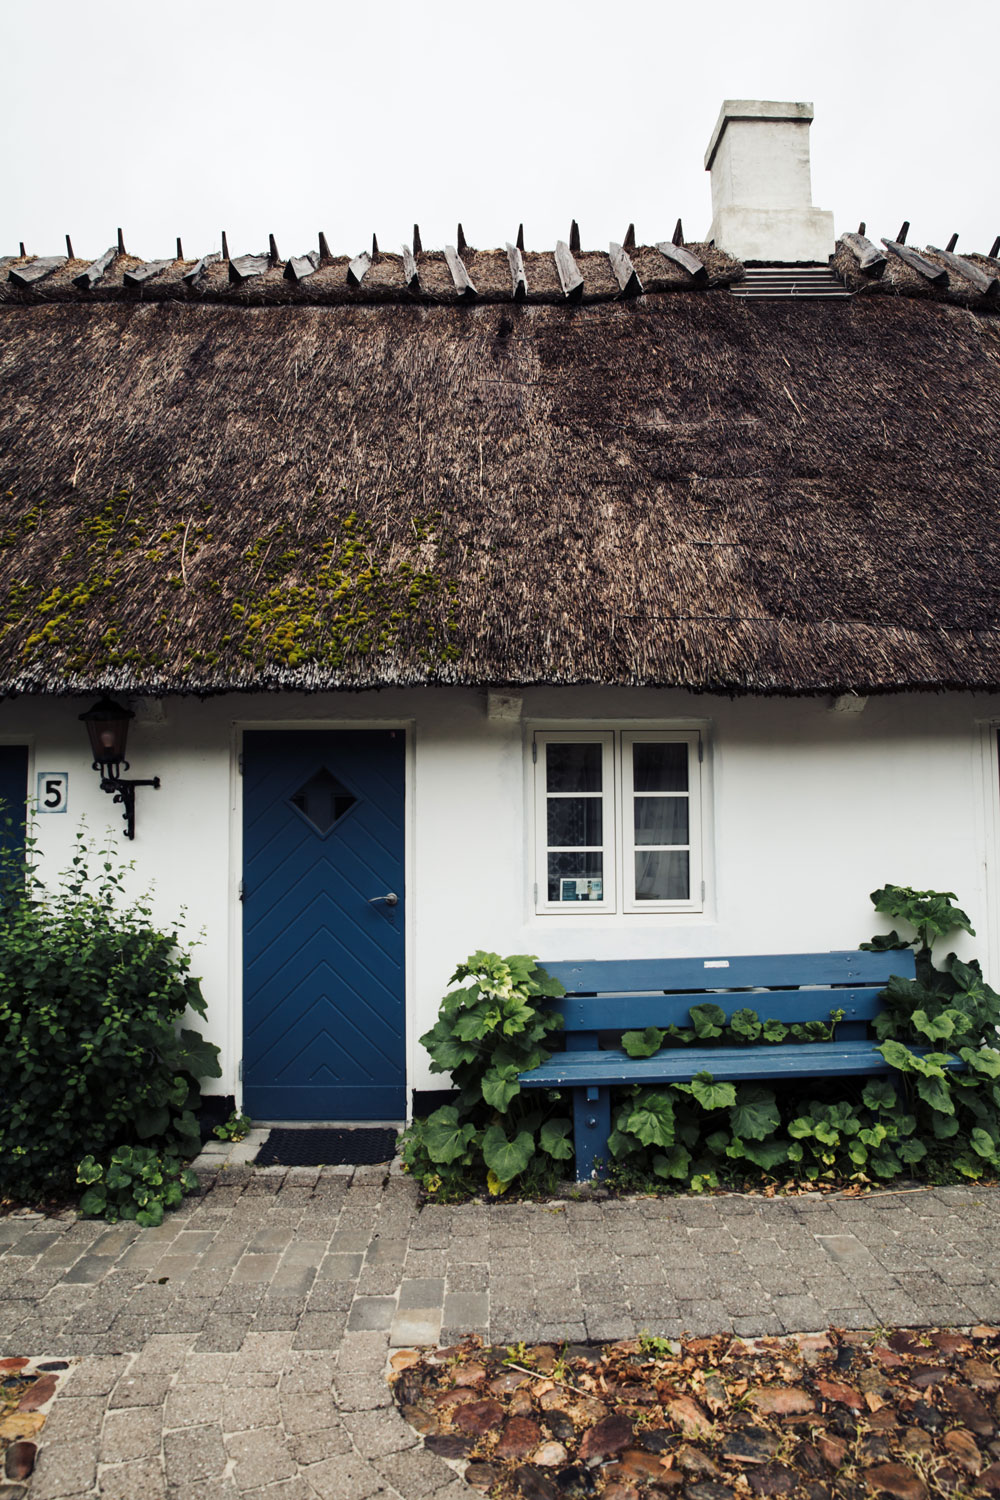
487 1032
925 1116
137 1184
236 1128
93 1056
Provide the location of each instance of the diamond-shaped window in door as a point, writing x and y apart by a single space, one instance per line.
323 801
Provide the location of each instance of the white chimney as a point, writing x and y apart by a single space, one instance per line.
762 206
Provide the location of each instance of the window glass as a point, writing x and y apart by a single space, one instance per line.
661 820
573 767
576 877
575 821
660 767
662 875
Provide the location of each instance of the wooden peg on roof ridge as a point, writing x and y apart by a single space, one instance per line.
324 248
461 242
272 250
121 243
993 253
69 248
225 246
678 238
628 243
374 247
23 252
952 243
417 245
180 249
519 242
574 238
904 230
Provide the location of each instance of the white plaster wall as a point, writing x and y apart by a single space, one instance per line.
807 811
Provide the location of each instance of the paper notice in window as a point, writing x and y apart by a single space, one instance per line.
716 963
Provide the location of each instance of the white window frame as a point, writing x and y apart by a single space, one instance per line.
618 829
627 739
609 822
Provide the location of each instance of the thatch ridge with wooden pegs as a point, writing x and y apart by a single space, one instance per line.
205 492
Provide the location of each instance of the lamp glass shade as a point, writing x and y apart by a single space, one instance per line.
107 725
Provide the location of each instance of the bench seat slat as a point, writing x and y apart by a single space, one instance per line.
629 1012
680 1064
849 966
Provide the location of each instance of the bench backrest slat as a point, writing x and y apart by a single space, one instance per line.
766 971
633 1012
615 994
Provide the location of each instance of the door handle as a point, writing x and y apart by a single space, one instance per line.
390 900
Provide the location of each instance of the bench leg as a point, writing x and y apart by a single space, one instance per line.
591 1128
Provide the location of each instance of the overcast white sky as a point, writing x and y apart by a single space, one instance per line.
184 119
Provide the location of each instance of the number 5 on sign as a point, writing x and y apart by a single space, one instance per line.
53 791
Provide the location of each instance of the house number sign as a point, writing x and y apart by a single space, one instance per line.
53 791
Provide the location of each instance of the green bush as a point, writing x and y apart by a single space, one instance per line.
93 1056
137 1184
486 1033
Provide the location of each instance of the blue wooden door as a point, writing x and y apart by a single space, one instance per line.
324 993
13 798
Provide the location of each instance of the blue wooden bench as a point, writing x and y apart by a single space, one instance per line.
628 995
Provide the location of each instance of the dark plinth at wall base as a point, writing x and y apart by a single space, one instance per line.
214 1109
318 1147
426 1101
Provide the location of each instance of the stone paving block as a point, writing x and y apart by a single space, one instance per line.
799 1314
135 1432
418 1327
344 1478
378 1433
355 1392
314 1447
142 1480
468 1308
319 1330
251 1407
285 1489
340 1267
309 1412
701 1317
193 1454
63 1470
163 1352
222 1335
139 1390
74 1418
308 1374
192 1403
371 1313
260 1457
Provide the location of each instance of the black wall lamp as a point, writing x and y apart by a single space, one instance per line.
107 725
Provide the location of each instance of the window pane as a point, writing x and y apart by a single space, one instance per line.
573 821
573 768
576 877
660 768
661 820
662 875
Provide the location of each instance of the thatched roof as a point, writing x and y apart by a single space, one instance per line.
208 490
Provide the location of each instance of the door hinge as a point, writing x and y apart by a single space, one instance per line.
534 753
239 762
536 892
701 751
702 893
241 890
239 1070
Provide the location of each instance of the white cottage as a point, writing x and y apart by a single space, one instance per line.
640 601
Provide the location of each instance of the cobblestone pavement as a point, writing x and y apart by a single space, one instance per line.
240 1349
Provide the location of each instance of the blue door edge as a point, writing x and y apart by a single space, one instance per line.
392 1110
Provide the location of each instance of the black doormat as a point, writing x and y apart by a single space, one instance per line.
327 1148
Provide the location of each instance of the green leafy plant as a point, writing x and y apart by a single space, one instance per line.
744 1028
236 1128
92 999
488 1031
136 1184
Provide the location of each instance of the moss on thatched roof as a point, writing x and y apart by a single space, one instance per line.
680 490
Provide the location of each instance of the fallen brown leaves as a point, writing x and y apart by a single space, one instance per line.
912 1414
